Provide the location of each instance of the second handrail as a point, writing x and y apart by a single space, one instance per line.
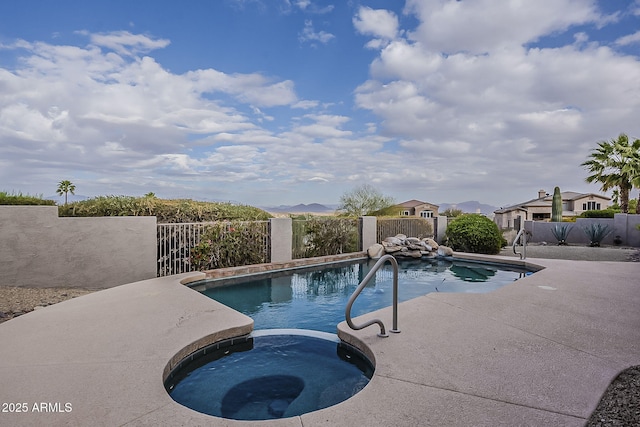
522 233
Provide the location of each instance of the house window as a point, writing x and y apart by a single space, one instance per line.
541 216
405 213
426 214
590 206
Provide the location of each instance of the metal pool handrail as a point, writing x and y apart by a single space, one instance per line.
361 286
523 233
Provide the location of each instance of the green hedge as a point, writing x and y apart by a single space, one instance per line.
606 213
166 211
17 199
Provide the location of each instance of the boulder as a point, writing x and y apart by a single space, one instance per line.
409 254
376 251
393 240
445 251
413 247
430 242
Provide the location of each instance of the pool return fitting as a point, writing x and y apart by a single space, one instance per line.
362 285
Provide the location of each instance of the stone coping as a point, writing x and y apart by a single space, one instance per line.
287 265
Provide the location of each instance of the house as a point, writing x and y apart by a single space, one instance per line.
418 209
539 209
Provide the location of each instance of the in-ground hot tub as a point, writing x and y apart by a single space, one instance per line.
269 374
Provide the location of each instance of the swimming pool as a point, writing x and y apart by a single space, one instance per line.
316 298
271 375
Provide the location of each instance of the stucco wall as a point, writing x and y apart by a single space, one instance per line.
39 249
281 239
369 231
623 225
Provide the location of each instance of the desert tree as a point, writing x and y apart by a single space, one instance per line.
363 200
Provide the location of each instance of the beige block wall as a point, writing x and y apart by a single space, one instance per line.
39 249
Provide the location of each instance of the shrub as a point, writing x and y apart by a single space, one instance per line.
607 213
474 233
17 199
330 236
230 244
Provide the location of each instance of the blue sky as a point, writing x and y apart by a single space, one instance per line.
270 102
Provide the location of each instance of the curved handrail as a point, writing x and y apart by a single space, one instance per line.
522 233
362 285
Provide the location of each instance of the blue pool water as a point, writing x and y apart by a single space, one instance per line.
316 299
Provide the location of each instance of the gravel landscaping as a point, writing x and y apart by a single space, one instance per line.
15 301
577 253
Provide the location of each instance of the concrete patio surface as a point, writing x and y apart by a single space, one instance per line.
540 351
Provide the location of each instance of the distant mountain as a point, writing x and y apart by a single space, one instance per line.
301 208
468 207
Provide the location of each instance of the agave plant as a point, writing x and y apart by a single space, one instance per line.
561 232
597 232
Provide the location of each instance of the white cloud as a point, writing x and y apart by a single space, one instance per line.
629 39
306 104
114 123
309 34
107 111
379 23
126 43
308 6
324 126
484 25
250 88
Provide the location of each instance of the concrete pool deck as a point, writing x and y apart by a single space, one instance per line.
541 351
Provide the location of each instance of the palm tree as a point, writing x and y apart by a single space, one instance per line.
633 169
613 164
65 187
615 198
